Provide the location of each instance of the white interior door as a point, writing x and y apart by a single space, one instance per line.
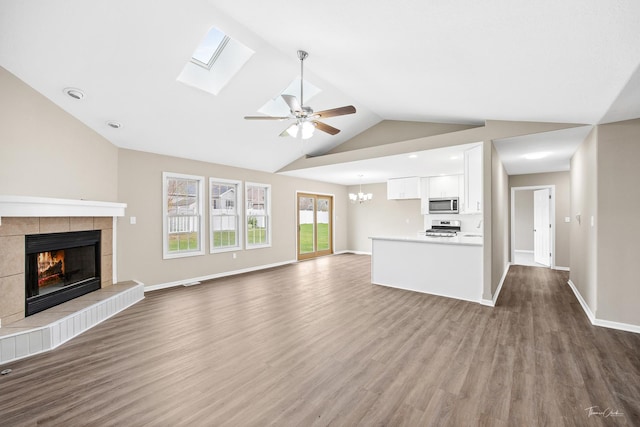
542 227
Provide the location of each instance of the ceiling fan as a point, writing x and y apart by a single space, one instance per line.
306 120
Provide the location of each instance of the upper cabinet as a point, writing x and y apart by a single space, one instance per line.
403 188
445 186
473 180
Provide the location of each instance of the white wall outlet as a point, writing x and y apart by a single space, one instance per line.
132 220
593 221
567 219
234 255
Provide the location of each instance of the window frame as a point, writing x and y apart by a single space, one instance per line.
216 53
165 223
267 215
239 215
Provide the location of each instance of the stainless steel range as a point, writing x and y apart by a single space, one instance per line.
441 228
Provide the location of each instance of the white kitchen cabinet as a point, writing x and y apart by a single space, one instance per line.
473 180
445 186
403 188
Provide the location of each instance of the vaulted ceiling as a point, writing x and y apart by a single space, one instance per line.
465 62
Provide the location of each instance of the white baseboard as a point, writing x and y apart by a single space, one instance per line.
558 267
492 303
214 276
617 325
600 322
582 302
522 251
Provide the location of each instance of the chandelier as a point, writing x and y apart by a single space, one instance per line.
360 197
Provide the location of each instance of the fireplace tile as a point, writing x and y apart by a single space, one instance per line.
103 223
106 242
106 270
54 225
19 226
11 255
81 223
12 301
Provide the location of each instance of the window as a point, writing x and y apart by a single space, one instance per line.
225 210
214 62
258 211
210 48
183 233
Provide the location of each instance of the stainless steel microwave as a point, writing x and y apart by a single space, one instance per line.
443 205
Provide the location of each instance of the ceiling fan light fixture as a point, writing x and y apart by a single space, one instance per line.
307 129
292 130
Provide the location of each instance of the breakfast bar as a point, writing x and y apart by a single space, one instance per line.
445 266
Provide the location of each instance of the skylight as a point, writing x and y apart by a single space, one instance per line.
214 62
210 48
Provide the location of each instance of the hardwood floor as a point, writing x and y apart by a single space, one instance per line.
315 343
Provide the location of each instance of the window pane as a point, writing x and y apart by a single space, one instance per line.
182 214
323 224
224 214
208 46
258 221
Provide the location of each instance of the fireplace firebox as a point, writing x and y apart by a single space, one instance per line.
60 267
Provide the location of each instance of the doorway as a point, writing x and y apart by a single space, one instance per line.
533 226
315 225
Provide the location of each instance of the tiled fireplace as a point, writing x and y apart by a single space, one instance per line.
49 250
13 274
24 218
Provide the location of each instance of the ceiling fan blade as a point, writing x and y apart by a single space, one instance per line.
341 111
325 127
290 131
265 118
292 102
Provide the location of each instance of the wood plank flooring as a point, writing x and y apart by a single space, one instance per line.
315 343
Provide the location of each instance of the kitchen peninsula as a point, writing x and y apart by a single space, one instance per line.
445 266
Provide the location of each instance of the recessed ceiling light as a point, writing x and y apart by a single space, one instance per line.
536 156
413 156
115 125
74 93
454 158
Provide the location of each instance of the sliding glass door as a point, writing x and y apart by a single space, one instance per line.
314 225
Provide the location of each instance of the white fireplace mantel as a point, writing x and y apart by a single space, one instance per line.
26 206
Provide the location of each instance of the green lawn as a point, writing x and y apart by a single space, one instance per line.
183 242
256 236
306 238
224 238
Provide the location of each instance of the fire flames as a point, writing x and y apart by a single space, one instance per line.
50 268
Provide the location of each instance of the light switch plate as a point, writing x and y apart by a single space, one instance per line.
132 220
567 219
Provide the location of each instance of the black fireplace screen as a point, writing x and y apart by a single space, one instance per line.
60 267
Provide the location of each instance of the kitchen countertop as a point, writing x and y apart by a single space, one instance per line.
468 239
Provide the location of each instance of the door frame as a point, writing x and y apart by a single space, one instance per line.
552 219
332 218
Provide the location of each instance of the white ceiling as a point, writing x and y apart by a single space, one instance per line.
465 62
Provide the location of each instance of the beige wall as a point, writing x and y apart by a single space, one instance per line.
381 217
46 152
140 245
583 260
523 220
499 220
562 183
618 196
